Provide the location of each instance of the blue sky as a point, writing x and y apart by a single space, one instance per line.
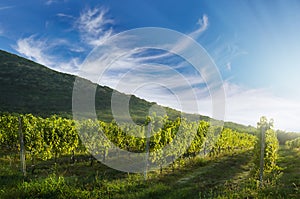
254 44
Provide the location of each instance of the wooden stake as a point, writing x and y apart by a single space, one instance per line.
262 154
22 148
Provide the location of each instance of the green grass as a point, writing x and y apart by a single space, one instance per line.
226 176
289 182
285 184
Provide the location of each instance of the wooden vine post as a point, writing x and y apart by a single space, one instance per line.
22 148
262 154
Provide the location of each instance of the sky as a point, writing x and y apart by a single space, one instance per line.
253 44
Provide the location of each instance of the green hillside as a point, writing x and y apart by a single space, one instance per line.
28 87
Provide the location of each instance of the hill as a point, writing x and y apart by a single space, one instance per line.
28 87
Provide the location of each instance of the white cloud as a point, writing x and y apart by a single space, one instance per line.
70 66
228 66
182 44
224 52
159 83
34 50
65 15
93 31
93 26
203 25
144 75
185 42
39 50
50 2
6 7
248 105
150 80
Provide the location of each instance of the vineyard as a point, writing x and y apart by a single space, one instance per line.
293 144
55 136
58 148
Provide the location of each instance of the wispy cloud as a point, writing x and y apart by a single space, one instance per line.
50 2
228 66
39 50
159 77
224 52
35 50
70 66
65 15
94 26
203 25
6 7
185 42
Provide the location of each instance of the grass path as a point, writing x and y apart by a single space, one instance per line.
234 167
289 181
231 174
206 180
199 180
